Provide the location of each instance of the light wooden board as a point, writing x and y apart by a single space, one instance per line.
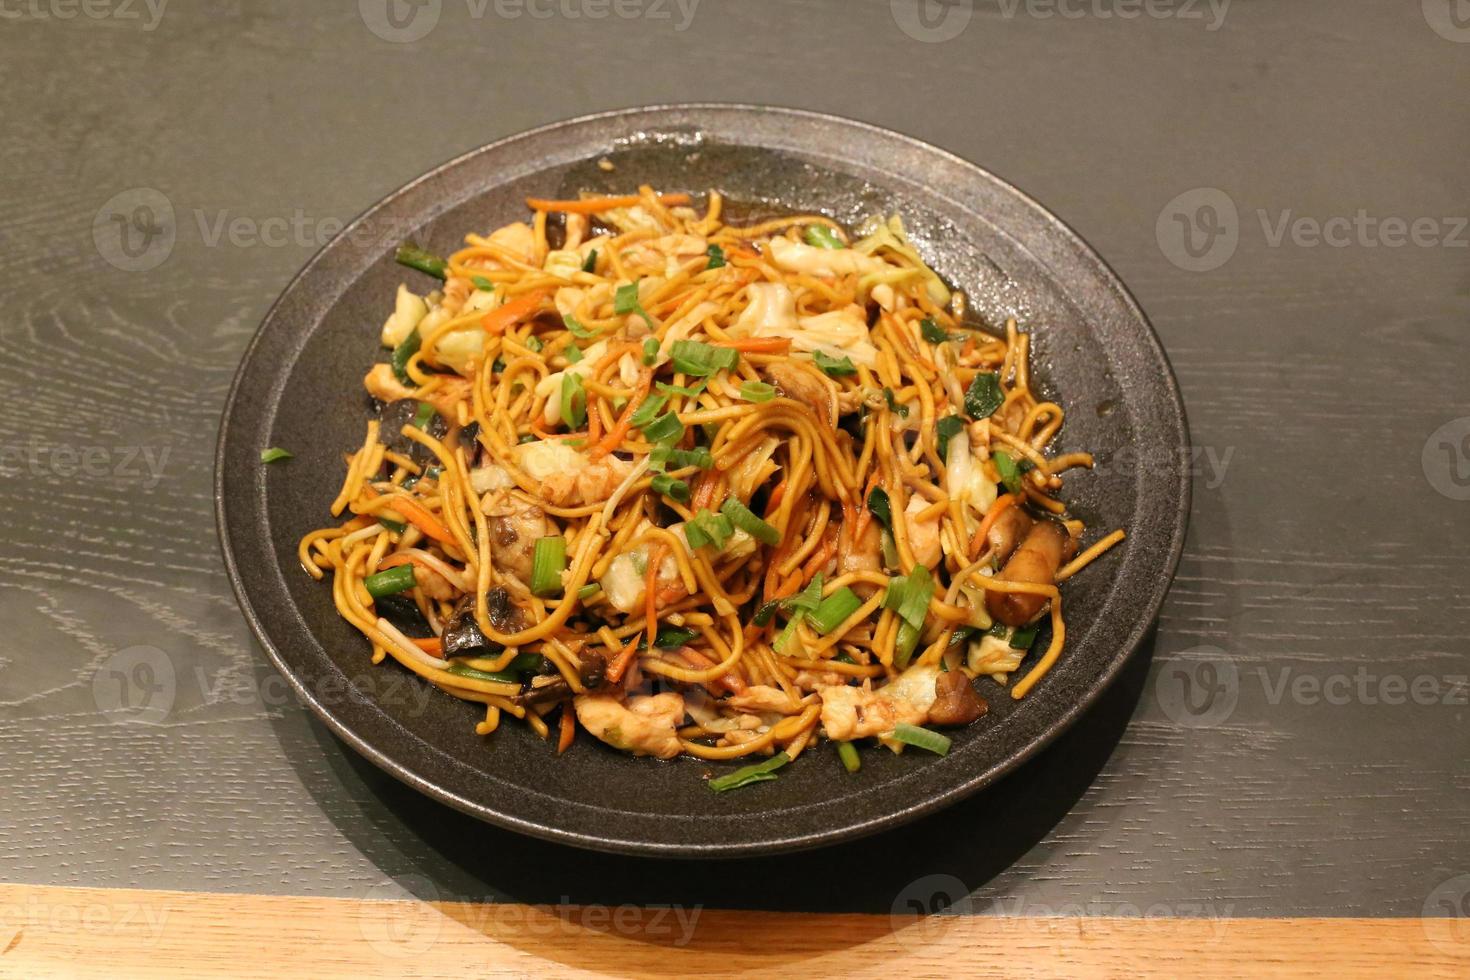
87 932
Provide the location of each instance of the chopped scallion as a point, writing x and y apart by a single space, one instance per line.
670 487
820 236
402 353
757 391
696 358
664 429
758 773
548 561
835 609
573 401
922 738
716 257
745 519
848 753
274 455
834 366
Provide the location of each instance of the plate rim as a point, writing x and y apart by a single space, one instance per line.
1127 647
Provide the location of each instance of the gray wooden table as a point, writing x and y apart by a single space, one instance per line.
1283 185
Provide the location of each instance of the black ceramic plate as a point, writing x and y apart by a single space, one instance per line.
300 388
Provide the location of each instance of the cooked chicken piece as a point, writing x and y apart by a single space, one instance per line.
858 712
815 680
804 383
384 385
760 697
435 586
515 527
641 725
517 238
923 535
566 476
457 289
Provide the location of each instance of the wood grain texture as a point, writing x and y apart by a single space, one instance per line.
1313 378
120 933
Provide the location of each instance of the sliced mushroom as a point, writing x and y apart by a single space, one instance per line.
462 634
1035 562
955 700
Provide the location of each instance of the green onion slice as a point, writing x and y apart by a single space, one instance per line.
834 366
820 236
548 561
274 454
848 753
670 487
922 738
758 773
745 519
700 360
835 609
573 401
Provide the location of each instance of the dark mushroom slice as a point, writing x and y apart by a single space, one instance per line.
1035 562
394 415
1006 532
594 668
955 700
462 634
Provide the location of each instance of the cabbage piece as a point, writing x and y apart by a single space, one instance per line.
799 257
878 234
840 333
408 310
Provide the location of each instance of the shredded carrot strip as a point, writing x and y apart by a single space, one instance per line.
996 509
503 317
774 501
617 433
650 593
423 520
593 205
620 663
757 345
568 728
431 644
